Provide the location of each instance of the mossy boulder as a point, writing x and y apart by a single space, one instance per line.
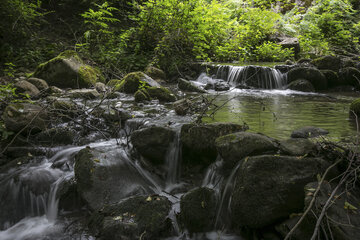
105 176
268 188
24 87
160 93
84 93
133 81
236 146
198 141
187 86
155 73
31 117
68 71
332 78
198 210
349 76
355 107
313 75
56 136
153 142
142 95
301 85
297 146
142 217
113 82
327 63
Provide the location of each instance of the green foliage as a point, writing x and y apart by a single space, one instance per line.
272 52
9 69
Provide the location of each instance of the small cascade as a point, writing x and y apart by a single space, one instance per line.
222 216
252 76
173 161
213 179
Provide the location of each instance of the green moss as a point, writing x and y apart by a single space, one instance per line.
90 75
130 83
84 167
113 82
161 93
155 73
355 106
142 95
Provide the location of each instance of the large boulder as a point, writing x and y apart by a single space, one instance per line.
350 76
56 136
332 78
297 146
135 80
106 176
135 218
198 141
269 188
188 86
30 117
153 142
301 85
155 73
39 83
327 63
26 88
236 146
68 71
308 132
290 43
313 75
160 93
198 210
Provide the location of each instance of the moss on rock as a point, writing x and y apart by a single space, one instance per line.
161 93
141 96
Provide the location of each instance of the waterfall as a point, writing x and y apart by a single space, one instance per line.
173 157
252 76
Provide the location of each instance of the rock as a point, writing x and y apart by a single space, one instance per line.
308 132
141 96
355 107
198 141
18 116
297 146
155 73
64 109
112 115
39 83
236 146
135 80
284 68
25 87
161 93
153 142
56 136
69 198
344 209
100 87
301 85
221 86
113 82
188 86
106 176
313 75
349 76
262 196
54 90
183 106
84 93
198 210
290 43
68 71
327 63
135 218
332 78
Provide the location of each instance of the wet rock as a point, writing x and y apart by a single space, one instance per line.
297 146
198 210
221 86
183 106
135 218
313 75
64 109
153 142
112 115
52 90
241 86
155 73
262 196
355 107
284 68
301 85
68 71
308 132
133 81
198 141
39 83
106 176
141 96
327 63
332 78
234 147
349 76
100 87
31 117
188 86
25 87
84 93
160 93
69 198
344 209
56 136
